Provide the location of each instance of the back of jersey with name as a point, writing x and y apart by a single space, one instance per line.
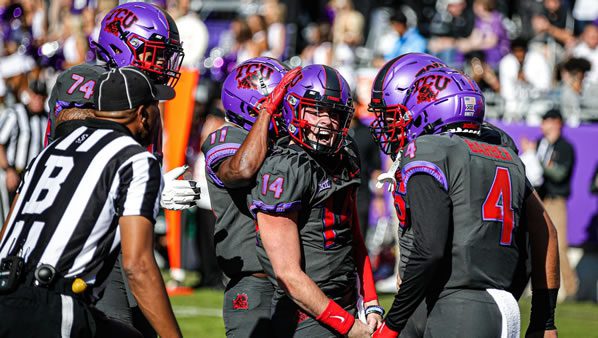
486 185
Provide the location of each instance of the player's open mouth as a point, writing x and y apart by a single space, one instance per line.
324 135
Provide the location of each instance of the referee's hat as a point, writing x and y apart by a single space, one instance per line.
126 88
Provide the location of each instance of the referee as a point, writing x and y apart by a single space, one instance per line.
85 194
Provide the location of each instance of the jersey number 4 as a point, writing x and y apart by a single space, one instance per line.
498 205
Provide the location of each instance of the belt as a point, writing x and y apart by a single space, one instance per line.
59 285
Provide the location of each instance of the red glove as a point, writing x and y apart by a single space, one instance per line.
385 332
273 100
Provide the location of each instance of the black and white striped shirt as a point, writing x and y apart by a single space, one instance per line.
72 196
22 135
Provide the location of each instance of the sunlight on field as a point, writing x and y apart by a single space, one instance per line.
200 316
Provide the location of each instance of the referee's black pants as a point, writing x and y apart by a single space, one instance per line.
30 311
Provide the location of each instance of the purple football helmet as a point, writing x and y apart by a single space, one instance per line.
319 89
245 88
388 93
442 100
144 36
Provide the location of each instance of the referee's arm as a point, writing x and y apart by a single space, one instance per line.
144 276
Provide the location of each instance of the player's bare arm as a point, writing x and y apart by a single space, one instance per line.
280 238
144 276
239 170
545 268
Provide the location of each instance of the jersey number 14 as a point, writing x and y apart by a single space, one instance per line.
498 206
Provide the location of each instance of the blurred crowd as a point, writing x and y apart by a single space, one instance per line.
529 57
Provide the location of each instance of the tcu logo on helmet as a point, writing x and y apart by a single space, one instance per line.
253 76
428 87
121 16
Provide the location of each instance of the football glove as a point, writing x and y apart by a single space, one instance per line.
179 194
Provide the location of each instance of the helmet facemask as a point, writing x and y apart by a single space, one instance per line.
160 59
389 128
319 125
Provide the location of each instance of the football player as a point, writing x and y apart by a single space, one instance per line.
251 96
465 200
309 239
146 37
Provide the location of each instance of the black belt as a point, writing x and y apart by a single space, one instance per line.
58 285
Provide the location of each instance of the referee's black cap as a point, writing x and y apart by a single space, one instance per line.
127 88
75 88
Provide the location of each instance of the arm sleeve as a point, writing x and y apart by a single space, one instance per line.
362 261
281 185
139 187
220 145
430 209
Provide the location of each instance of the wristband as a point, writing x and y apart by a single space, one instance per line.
337 318
543 305
375 309
385 332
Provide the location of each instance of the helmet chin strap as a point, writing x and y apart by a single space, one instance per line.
389 176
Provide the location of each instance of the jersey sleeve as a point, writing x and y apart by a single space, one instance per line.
425 155
282 185
220 145
139 187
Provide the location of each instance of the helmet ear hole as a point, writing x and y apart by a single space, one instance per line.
115 49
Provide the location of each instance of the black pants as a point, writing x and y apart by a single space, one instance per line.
247 307
118 302
36 312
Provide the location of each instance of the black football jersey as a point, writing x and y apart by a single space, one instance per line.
323 192
234 233
487 187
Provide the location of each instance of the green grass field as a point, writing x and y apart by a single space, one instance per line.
200 316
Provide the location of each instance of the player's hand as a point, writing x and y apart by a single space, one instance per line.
179 194
544 334
274 99
359 330
374 321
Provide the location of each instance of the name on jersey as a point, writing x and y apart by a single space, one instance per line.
489 150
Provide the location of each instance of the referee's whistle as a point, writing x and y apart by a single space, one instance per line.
79 285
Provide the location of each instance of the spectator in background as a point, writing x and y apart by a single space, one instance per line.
407 39
274 13
347 34
588 49
584 13
524 75
453 20
557 159
319 47
572 74
193 33
489 34
481 72
259 35
554 21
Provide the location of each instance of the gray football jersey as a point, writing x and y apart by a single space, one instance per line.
234 233
487 187
292 180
